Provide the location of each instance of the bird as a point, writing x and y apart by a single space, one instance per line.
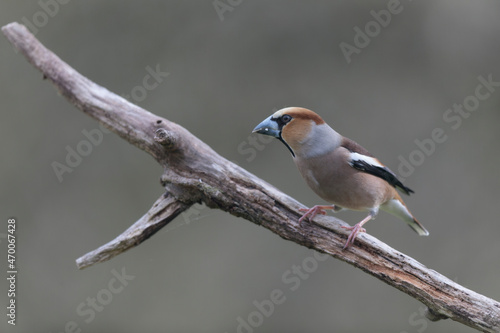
338 170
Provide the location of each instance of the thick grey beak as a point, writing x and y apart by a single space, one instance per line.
268 127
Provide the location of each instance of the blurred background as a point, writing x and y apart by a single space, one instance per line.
387 75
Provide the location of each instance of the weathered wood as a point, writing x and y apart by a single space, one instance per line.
164 210
193 172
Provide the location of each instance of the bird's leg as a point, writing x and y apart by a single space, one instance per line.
318 209
358 227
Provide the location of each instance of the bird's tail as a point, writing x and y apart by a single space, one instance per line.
418 227
397 207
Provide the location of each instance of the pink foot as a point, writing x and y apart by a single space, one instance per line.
313 212
352 236
358 227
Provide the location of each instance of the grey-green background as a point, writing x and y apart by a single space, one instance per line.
205 270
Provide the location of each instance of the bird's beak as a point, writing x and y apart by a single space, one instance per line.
268 127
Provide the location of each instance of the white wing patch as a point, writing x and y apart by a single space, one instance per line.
372 166
370 160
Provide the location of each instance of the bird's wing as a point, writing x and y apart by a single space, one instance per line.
362 160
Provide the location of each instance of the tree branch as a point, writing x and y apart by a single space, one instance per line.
164 210
193 172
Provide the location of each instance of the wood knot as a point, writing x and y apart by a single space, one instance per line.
165 138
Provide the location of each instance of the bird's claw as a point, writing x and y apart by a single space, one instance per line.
313 212
356 229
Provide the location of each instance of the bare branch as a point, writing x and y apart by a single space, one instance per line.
193 172
164 210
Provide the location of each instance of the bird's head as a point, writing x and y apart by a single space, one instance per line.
297 128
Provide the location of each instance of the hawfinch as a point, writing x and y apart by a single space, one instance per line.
338 169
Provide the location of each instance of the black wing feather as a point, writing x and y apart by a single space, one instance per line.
381 172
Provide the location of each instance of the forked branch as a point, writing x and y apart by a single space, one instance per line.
193 172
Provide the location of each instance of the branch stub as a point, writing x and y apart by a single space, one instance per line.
166 138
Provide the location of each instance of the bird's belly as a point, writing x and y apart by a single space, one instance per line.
342 185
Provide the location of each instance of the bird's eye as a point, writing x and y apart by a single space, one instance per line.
286 118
